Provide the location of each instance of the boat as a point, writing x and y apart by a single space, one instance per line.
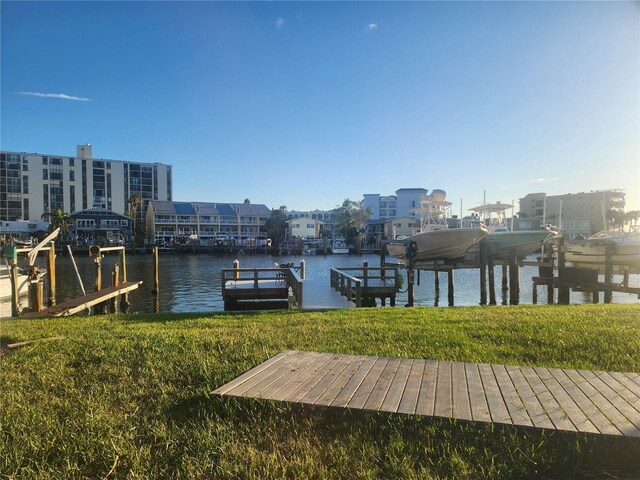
502 240
435 240
339 246
5 283
591 251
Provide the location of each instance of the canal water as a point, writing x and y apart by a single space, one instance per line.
192 283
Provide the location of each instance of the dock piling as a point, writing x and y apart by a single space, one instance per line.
450 287
156 281
115 274
51 270
483 272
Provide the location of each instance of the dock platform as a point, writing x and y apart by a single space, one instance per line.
583 401
79 304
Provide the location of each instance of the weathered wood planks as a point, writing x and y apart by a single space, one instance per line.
606 403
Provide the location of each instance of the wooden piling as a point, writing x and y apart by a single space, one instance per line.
156 280
609 251
51 273
514 278
410 282
115 274
302 269
124 299
505 284
450 287
15 307
483 272
35 290
236 266
492 280
563 289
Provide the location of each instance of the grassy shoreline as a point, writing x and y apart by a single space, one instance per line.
129 396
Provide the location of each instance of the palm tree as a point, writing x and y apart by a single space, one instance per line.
58 219
134 202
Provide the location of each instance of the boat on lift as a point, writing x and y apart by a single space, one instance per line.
591 251
435 240
493 216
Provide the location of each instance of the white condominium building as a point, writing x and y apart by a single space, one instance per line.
33 183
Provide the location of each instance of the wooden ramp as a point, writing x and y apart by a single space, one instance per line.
79 304
605 403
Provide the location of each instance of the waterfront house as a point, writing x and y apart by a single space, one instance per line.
304 227
102 226
205 222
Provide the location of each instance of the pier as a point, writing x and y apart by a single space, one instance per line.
287 287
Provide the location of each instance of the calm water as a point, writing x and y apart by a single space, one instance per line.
191 283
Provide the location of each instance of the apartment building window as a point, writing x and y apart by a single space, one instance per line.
45 197
25 184
45 160
71 162
45 174
55 161
25 166
25 209
72 197
72 176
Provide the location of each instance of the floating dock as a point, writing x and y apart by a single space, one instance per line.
583 401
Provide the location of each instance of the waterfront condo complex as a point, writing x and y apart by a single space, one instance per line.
34 183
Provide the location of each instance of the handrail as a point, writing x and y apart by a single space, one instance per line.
347 285
288 275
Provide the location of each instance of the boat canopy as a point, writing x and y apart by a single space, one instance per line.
492 208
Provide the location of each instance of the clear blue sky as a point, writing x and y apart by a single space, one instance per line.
306 104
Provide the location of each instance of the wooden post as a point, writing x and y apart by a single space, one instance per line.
51 273
155 272
609 251
483 272
492 280
450 286
39 294
124 300
365 273
534 298
513 277
302 269
563 290
15 308
505 285
35 289
236 266
115 276
410 280
595 297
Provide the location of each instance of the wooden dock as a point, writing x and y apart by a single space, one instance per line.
600 403
79 304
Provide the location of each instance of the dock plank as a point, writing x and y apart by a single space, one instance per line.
460 392
361 395
344 396
477 397
597 403
409 399
516 408
254 371
534 408
551 406
444 397
427 395
497 408
396 389
381 388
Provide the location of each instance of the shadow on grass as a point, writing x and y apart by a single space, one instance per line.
428 441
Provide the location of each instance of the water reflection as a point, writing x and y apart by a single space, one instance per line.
192 283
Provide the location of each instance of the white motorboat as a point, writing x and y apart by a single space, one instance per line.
434 240
591 252
339 246
5 284
493 217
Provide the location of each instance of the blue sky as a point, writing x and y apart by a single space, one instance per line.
306 104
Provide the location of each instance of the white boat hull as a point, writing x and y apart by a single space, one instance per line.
525 242
442 244
593 254
5 286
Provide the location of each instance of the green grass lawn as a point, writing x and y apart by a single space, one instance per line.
128 396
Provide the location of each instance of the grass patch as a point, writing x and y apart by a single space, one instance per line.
129 397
